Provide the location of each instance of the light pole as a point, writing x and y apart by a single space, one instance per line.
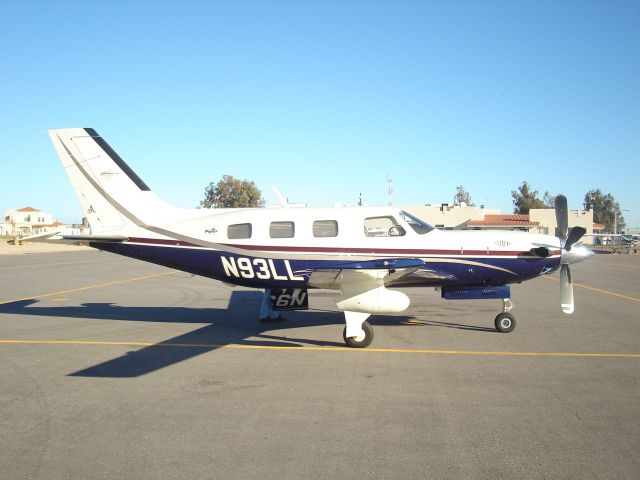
615 220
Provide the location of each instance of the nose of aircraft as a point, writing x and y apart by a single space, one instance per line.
577 254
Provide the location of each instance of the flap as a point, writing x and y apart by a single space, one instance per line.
369 272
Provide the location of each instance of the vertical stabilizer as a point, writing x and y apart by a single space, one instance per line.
102 181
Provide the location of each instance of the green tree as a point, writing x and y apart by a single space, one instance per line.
525 198
605 209
462 195
230 192
549 200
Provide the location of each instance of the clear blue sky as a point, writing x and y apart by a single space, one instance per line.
322 99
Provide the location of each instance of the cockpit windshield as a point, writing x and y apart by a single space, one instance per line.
419 226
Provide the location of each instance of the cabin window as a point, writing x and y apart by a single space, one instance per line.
282 230
382 227
325 228
239 231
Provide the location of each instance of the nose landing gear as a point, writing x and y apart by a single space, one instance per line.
505 322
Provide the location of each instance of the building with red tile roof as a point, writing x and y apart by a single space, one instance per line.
512 222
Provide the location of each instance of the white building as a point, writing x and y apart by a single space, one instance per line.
31 221
546 219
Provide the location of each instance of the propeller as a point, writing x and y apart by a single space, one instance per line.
562 217
566 289
568 256
575 235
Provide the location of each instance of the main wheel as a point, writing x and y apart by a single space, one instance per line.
505 322
359 342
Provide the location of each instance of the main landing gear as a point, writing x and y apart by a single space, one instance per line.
358 333
359 341
505 322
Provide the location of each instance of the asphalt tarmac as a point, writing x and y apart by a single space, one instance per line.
111 368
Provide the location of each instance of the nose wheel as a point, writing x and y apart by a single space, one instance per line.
505 322
360 341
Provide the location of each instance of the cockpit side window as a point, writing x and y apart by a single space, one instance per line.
383 227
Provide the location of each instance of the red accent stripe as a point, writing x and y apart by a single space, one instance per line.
158 241
369 251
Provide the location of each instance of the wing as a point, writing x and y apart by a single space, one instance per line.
362 285
387 272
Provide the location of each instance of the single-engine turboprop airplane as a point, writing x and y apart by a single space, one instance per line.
361 252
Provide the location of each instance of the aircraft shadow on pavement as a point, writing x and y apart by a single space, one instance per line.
235 325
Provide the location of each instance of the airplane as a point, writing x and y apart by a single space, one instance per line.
363 253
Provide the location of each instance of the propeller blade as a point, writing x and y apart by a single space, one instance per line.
566 289
562 216
575 235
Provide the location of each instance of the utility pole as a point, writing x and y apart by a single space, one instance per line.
615 221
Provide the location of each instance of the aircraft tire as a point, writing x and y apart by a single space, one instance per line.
354 343
505 322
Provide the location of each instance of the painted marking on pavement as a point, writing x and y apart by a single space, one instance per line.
88 287
58 264
325 349
606 292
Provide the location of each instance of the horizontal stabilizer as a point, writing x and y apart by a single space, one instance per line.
74 239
